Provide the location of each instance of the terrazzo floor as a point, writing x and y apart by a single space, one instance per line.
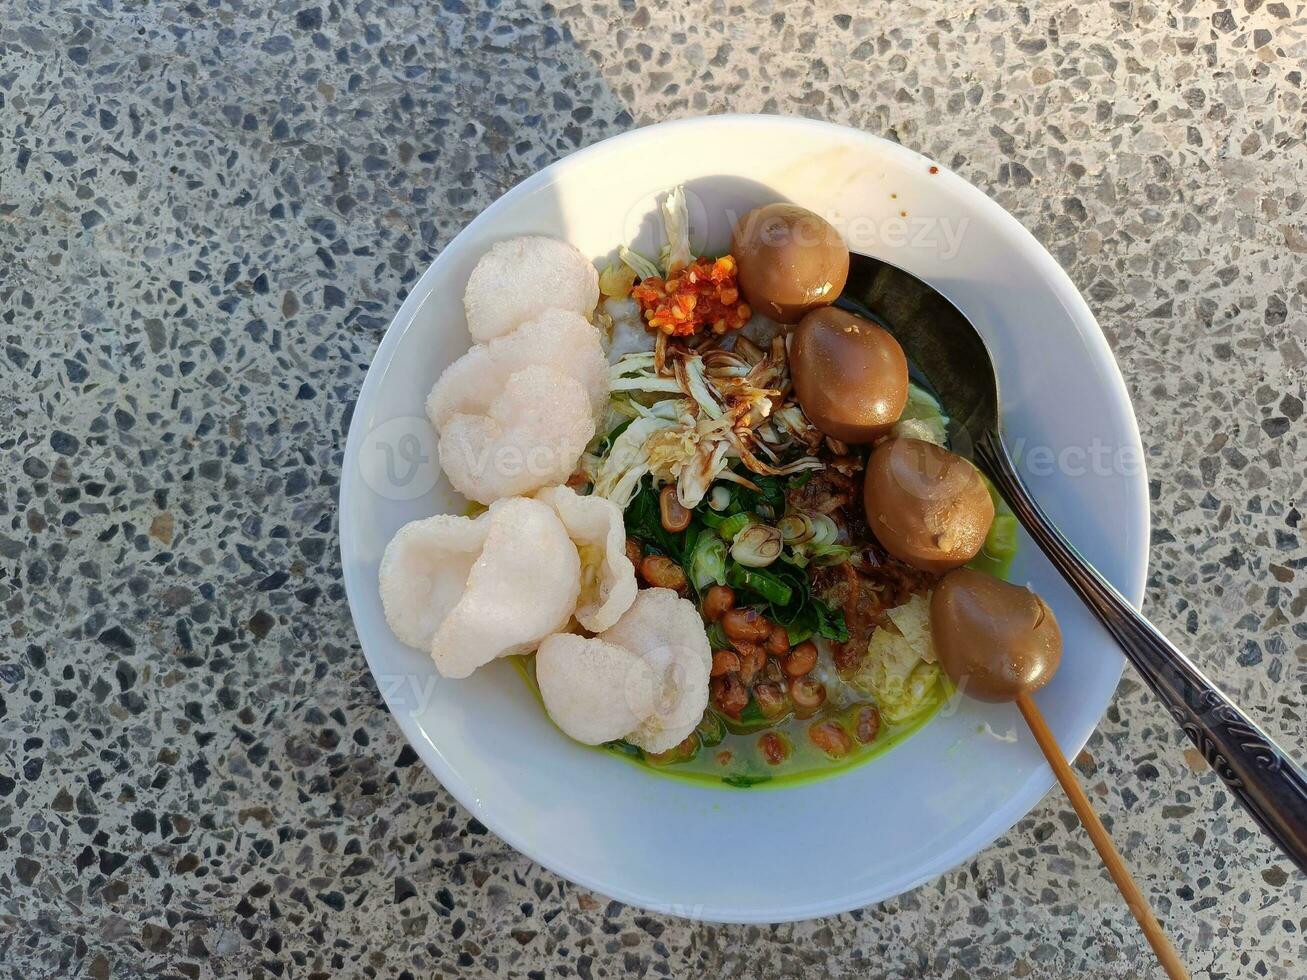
208 213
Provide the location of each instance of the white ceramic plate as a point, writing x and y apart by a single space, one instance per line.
926 805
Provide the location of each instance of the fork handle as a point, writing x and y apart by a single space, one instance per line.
1260 774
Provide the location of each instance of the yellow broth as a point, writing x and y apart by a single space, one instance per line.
745 765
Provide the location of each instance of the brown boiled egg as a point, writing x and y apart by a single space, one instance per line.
850 376
926 505
790 261
995 641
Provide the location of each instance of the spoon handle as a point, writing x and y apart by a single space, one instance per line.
1112 860
1260 774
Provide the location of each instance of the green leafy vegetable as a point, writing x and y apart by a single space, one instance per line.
624 747
743 500
786 594
784 611
710 728
744 781
830 622
1002 542
611 438
751 719
717 638
781 590
771 491
803 626
644 521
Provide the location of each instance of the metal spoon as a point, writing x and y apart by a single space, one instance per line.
949 351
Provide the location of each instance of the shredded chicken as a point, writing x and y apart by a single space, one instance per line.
735 393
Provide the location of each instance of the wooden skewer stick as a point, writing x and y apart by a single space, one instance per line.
1000 642
1139 907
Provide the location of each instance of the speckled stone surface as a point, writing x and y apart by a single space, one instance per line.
208 213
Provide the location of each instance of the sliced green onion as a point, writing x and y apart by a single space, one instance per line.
710 520
824 530
707 563
796 528
831 554
757 546
796 556
733 525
